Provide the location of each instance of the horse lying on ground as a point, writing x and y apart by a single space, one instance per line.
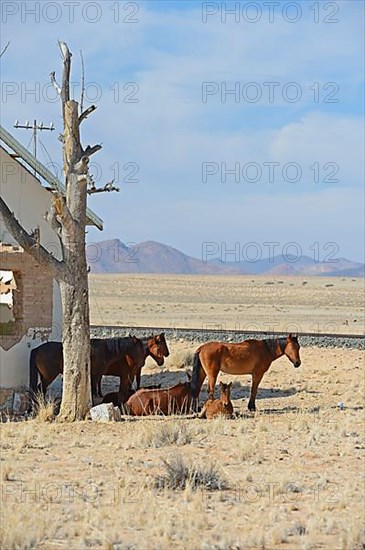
219 407
248 357
116 398
174 400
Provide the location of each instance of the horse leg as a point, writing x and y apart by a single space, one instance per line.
125 388
212 377
98 391
256 379
195 400
203 413
138 378
43 385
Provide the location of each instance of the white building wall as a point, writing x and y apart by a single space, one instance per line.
29 201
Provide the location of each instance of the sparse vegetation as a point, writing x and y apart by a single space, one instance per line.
44 409
243 302
181 474
182 359
285 477
158 434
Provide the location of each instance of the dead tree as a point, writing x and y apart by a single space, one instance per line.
69 215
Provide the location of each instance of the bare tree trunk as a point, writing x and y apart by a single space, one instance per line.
76 395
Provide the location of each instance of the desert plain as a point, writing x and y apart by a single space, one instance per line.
290 476
299 304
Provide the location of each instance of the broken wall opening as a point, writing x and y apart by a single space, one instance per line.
26 295
10 301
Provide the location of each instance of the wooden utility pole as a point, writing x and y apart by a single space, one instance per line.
35 127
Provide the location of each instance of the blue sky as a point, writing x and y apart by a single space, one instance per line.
159 76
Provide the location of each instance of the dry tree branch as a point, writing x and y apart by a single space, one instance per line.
91 150
82 82
54 82
66 55
106 189
30 244
86 113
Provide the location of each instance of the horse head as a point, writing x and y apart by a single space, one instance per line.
225 393
157 347
162 341
291 350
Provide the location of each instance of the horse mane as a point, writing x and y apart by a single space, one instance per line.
271 342
118 345
146 338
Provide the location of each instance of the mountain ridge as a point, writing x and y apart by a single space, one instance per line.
114 256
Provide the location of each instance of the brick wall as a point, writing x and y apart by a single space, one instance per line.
33 298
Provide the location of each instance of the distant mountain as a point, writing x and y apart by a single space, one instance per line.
276 265
290 265
113 256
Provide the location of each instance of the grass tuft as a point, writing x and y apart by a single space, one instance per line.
44 411
182 475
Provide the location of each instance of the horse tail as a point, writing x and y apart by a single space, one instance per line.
194 384
33 371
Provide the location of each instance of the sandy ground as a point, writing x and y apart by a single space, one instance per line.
297 304
293 472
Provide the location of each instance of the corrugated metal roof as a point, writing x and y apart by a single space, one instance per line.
52 181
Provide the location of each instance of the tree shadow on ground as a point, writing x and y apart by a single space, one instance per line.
243 392
170 378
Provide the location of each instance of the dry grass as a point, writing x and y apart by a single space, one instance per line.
288 477
158 434
181 359
44 410
180 474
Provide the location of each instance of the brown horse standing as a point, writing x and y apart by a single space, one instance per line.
48 359
128 369
248 357
155 347
165 401
219 407
125 365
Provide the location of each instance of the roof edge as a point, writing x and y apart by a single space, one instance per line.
54 183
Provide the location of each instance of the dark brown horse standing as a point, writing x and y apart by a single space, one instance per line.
153 346
248 357
48 359
125 364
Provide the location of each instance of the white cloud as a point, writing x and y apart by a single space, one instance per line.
170 132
